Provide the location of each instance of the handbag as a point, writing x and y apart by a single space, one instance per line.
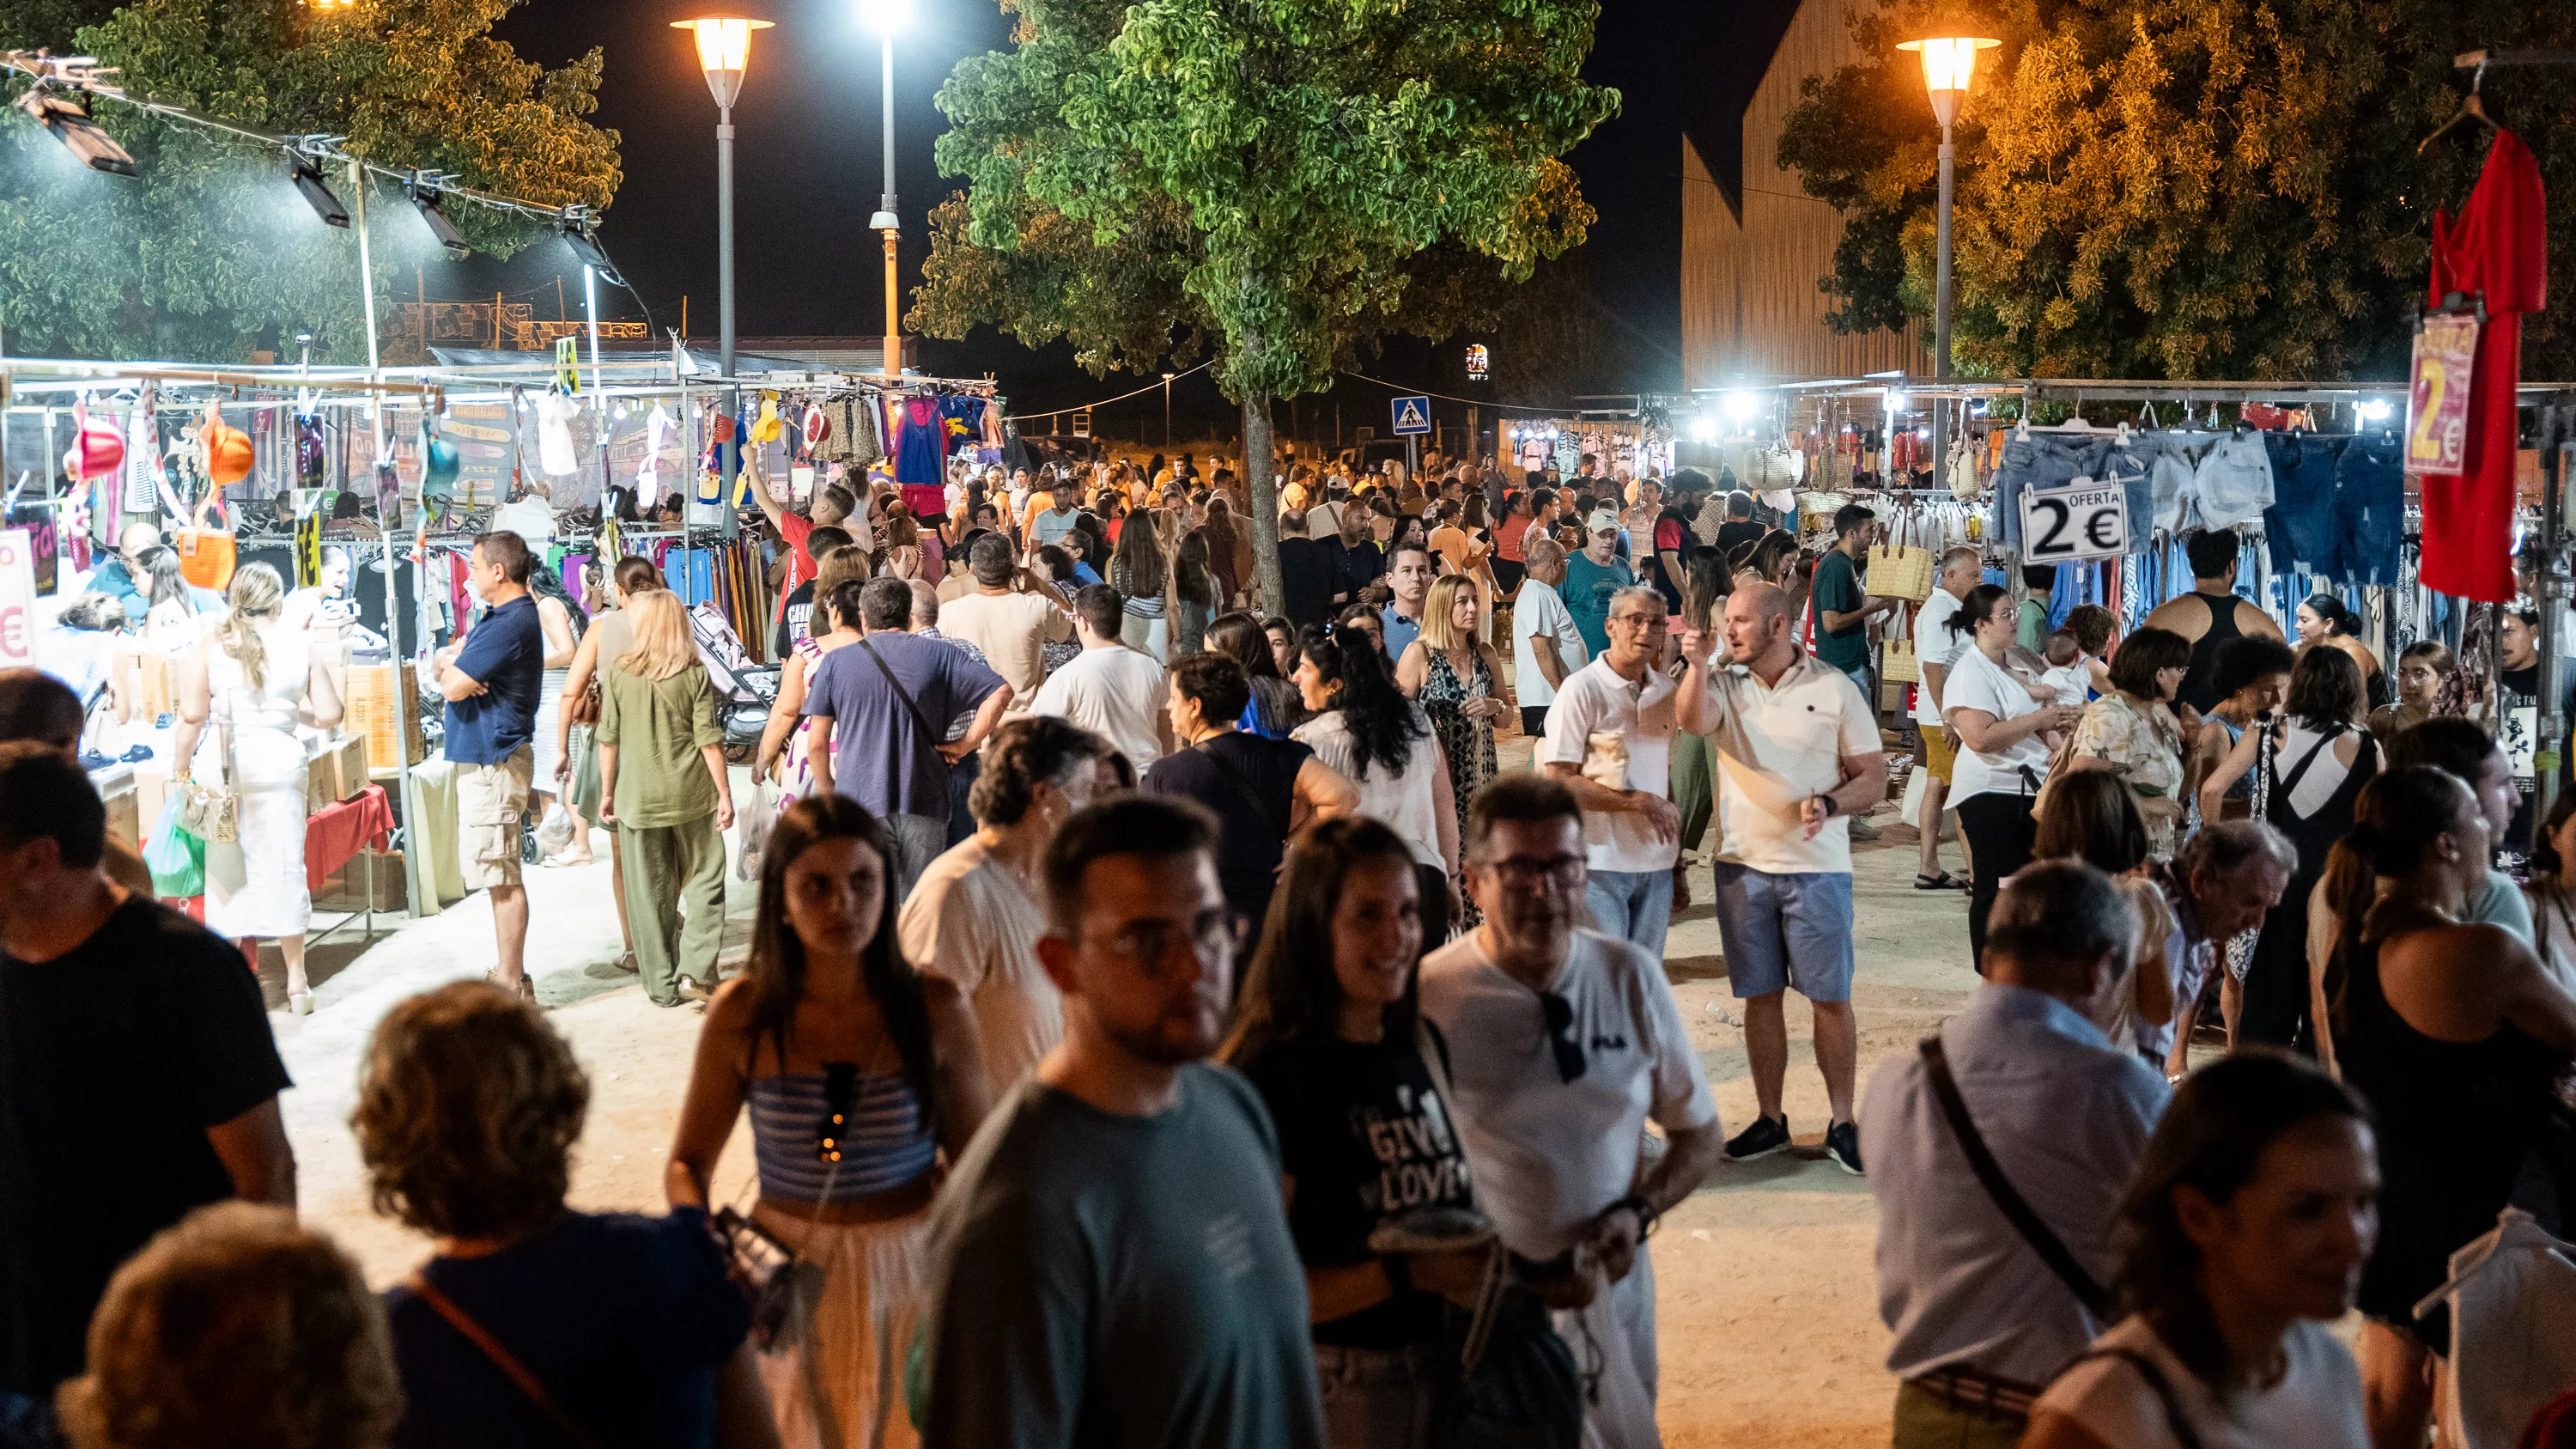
1900 665
1900 571
212 813
930 738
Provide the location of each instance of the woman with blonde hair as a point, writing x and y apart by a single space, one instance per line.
236 1329
1459 681
257 677
861 1072
662 769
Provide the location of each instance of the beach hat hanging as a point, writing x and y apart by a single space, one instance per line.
98 450
818 426
229 454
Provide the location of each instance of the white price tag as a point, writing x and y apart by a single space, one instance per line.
2085 520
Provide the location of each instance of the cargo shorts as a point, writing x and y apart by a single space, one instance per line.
491 801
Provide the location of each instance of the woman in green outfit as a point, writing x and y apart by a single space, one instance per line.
662 767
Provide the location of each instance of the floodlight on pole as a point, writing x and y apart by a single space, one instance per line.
65 120
306 170
1949 65
423 187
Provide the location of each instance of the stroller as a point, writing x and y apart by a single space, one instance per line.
744 690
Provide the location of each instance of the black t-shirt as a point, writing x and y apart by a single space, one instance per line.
1250 783
624 1318
2518 735
794 621
1306 572
114 1060
1366 1139
1736 534
1357 568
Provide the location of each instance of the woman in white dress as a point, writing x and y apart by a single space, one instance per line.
257 678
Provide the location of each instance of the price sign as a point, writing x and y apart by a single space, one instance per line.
17 599
2083 521
2437 393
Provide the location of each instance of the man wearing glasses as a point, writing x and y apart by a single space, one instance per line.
1563 1042
1110 1262
127 577
1799 757
1610 741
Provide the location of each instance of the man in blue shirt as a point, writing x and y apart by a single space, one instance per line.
491 679
1592 578
1408 575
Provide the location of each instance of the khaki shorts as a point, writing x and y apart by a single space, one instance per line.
491 800
1937 754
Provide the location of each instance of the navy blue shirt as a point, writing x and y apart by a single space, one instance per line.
507 654
625 1320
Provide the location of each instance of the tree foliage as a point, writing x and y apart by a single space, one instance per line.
209 253
2178 188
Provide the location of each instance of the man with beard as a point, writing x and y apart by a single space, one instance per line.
1110 1263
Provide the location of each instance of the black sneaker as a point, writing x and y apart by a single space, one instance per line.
1842 1144
1766 1136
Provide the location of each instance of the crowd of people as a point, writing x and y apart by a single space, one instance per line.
1170 1023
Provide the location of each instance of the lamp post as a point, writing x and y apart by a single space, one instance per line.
885 17
1949 62
724 48
1167 408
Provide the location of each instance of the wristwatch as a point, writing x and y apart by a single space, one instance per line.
1833 807
1647 1217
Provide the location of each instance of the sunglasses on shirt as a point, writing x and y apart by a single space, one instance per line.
1561 1039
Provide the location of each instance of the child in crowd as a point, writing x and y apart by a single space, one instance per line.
2067 679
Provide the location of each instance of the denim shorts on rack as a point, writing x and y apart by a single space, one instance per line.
2039 461
2132 466
2234 482
2171 460
2300 524
2370 510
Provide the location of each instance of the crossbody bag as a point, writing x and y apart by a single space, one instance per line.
2158 1384
504 1360
930 738
2008 1199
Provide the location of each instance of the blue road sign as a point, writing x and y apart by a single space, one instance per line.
1412 415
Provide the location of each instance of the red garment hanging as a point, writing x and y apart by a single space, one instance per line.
2498 248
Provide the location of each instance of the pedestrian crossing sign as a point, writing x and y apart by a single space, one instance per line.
1412 415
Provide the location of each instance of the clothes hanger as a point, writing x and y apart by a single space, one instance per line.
2470 106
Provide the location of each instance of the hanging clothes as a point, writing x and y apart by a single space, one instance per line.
2495 250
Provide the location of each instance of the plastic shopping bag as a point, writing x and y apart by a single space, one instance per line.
176 859
758 811
556 831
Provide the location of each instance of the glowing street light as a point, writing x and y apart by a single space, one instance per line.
886 17
1949 64
724 50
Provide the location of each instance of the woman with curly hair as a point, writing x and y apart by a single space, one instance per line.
531 1322
236 1329
860 1072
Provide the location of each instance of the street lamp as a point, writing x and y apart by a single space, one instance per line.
885 17
724 48
1167 407
1949 62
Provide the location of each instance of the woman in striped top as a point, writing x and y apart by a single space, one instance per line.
859 1072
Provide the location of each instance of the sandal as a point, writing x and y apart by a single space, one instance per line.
1942 882
560 862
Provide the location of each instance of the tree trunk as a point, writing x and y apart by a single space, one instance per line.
1264 489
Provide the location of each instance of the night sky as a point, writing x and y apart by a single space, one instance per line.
809 161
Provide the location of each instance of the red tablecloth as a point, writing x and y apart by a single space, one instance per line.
333 837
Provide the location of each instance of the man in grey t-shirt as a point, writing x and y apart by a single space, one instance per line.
1110 1263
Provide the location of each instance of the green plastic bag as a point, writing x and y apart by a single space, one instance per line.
176 859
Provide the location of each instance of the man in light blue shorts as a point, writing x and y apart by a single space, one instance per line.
1802 758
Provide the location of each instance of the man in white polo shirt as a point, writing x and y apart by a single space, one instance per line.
1798 756
1610 740
1935 646
1546 647
1562 1042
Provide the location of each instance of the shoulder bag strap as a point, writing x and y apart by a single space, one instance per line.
2162 1387
2007 1199
930 738
508 1363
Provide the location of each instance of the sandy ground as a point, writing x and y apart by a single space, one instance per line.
1769 1330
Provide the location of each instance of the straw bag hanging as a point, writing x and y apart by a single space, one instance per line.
212 813
1900 571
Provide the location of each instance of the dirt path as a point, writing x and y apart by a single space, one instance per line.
1768 1319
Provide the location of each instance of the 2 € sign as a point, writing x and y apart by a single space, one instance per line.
2084 521
17 600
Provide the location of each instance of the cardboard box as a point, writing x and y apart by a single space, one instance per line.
124 810
387 723
343 765
379 875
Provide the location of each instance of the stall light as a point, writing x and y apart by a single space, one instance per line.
1703 428
1741 406
579 227
307 172
63 119
423 188
1896 400
1923 434
2376 410
885 17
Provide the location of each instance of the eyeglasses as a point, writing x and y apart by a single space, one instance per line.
1149 942
1652 623
1561 1040
1526 871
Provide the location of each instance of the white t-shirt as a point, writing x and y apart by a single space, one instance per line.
1596 700
1013 630
968 919
1403 802
1778 745
2071 683
1537 610
1548 1154
1977 682
1116 693
1323 521
1935 643
2316 1405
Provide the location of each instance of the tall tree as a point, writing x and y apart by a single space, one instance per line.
1310 152
2179 188
209 254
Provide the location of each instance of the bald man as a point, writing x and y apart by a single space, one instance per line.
1802 757
36 706
116 577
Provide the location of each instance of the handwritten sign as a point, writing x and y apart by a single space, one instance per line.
2437 393
17 599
